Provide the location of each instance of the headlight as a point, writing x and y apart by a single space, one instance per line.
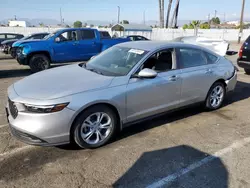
45 108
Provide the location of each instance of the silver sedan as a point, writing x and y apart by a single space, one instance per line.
88 104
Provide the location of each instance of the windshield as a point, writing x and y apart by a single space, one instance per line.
116 61
49 36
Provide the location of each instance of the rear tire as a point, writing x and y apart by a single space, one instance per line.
215 96
90 132
39 62
247 71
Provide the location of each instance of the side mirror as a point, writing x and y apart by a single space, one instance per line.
147 73
57 39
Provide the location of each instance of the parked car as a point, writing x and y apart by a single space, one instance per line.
87 103
66 45
244 56
219 46
8 36
135 37
7 44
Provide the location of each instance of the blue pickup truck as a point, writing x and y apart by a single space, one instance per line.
66 45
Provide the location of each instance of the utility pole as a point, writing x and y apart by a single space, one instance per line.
144 22
15 17
61 15
118 19
208 17
241 21
215 13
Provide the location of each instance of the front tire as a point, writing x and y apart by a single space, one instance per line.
95 127
215 96
39 62
247 71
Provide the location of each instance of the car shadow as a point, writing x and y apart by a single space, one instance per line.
13 73
175 167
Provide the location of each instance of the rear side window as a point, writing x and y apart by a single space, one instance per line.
87 34
9 36
105 35
188 57
211 58
2 36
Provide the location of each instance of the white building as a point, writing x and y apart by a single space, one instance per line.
18 23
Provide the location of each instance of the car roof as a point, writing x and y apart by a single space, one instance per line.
154 45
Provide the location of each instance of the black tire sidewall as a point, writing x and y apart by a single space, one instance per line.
208 105
34 66
247 71
77 125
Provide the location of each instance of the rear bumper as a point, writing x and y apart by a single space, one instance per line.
231 83
243 64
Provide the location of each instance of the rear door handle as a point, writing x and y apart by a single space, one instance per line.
209 71
173 78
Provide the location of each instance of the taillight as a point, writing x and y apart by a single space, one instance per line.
241 51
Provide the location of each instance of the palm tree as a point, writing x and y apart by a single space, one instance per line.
175 14
160 13
168 12
196 24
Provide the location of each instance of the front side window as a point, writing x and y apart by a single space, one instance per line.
68 36
116 61
87 34
189 57
160 62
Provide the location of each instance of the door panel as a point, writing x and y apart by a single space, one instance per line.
67 49
196 82
146 97
88 45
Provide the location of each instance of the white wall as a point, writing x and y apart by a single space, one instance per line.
157 34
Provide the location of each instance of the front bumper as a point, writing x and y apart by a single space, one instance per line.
22 59
4 49
48 129
243 64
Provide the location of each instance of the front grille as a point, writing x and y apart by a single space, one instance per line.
13 51
13 109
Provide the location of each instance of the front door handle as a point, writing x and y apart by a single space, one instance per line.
75 43
173 78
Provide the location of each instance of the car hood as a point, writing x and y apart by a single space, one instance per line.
9 41
19 42
60 82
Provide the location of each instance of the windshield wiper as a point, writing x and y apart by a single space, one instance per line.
94 70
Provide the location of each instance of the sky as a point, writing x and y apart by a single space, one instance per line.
106 10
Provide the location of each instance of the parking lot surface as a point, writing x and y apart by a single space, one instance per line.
189 148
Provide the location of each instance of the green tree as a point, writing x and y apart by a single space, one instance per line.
85 25
91 25
124 22
205 26
215 20
77 24
185 26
